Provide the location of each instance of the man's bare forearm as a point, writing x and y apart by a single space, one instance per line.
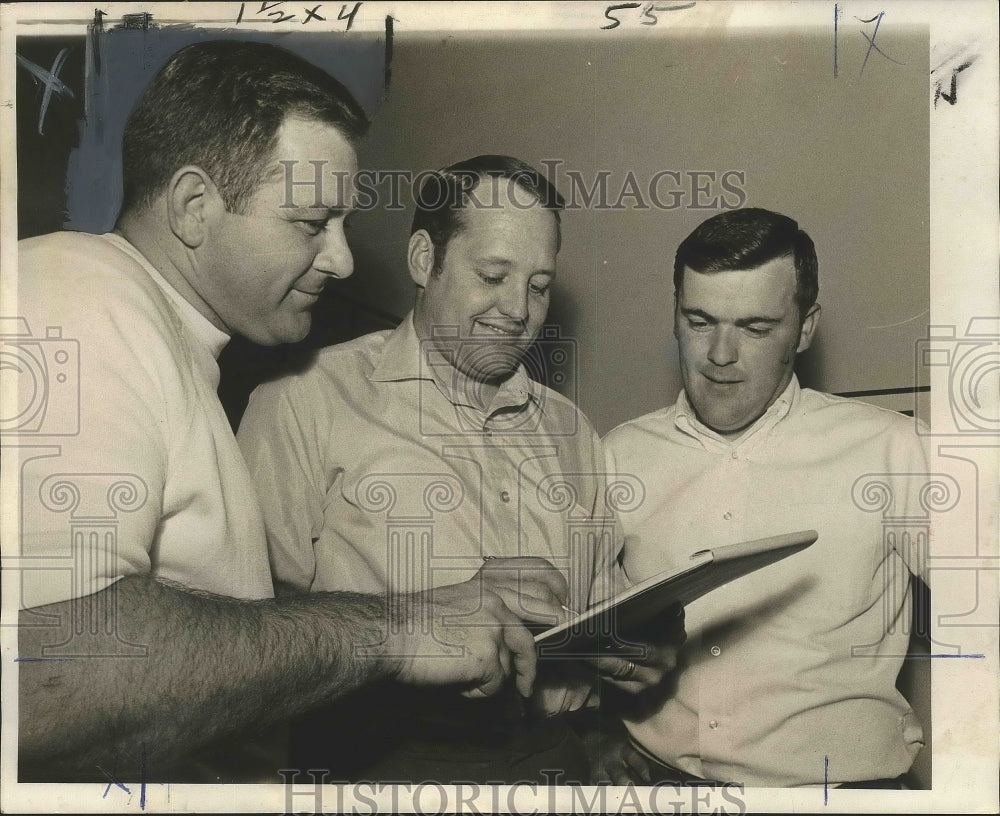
212 667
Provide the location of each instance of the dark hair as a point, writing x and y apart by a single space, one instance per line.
446 192
745 239
219 105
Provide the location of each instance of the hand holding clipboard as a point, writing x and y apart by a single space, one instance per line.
604 628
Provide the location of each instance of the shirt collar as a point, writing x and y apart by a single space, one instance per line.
686 421
406 357
400 358
211 337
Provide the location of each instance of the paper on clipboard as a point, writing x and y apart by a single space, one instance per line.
607 624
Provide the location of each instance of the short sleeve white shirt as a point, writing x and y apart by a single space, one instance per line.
126 462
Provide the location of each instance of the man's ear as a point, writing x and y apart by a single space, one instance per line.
192 201
808 328
677 316
420 257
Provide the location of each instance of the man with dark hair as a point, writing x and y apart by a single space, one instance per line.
745 239
149 633
788 675
220 106
405 458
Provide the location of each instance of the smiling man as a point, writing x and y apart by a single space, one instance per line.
150 643
404 458
788 675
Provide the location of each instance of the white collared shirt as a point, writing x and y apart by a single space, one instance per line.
376 469
788 675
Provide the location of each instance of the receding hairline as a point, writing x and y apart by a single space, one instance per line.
513 180
272 164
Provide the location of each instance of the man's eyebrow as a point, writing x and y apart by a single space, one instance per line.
506 265
741 321
698 313
749 321
492 260
315 213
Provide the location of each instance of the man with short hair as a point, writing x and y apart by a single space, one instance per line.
406 457
788 675
162 638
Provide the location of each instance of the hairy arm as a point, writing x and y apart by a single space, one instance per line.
214 666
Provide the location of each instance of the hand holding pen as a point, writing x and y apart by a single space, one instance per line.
530 586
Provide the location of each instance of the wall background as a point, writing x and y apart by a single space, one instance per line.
847 156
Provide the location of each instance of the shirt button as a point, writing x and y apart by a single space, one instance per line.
716 651
727 515
735 455
713 724
504 496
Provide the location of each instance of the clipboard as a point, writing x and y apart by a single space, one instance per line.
604 628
